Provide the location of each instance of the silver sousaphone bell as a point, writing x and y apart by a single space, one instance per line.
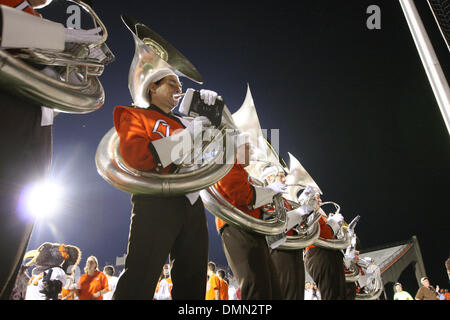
153 53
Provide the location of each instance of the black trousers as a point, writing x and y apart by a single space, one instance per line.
291 273
326 267
249 258
162 227
350 289
25 158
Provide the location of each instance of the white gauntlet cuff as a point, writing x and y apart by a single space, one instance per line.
334 225
23 30
174 148
294 217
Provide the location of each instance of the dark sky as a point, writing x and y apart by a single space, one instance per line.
353 105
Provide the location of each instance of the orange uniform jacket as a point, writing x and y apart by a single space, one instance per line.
88 285
20 5
137 128
235 187
223 290
212 286
325 231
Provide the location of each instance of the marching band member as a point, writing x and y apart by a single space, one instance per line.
160 226
369 272
247 253
324 265
25 130
288 263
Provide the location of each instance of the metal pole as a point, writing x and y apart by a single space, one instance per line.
430 62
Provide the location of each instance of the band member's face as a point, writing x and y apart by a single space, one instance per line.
278 177
163 93
318 200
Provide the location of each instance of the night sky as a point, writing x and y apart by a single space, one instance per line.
353 105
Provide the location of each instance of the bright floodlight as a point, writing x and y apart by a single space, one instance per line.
43 199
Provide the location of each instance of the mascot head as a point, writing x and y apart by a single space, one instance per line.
50 255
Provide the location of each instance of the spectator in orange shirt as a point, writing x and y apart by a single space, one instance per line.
213 285
94 283
447 294
223 285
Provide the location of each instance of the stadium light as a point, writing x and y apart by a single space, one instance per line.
43 199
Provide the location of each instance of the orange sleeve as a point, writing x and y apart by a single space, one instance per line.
223 290
236 188
20 4
325 230
288 207
134 140
83 288
216 285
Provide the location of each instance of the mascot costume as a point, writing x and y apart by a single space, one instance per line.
53 262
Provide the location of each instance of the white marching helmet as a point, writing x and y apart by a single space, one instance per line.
41 5
151 77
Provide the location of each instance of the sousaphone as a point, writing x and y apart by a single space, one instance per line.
297 180
74 87
344 238
353 273
374 286
246 120
152 53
